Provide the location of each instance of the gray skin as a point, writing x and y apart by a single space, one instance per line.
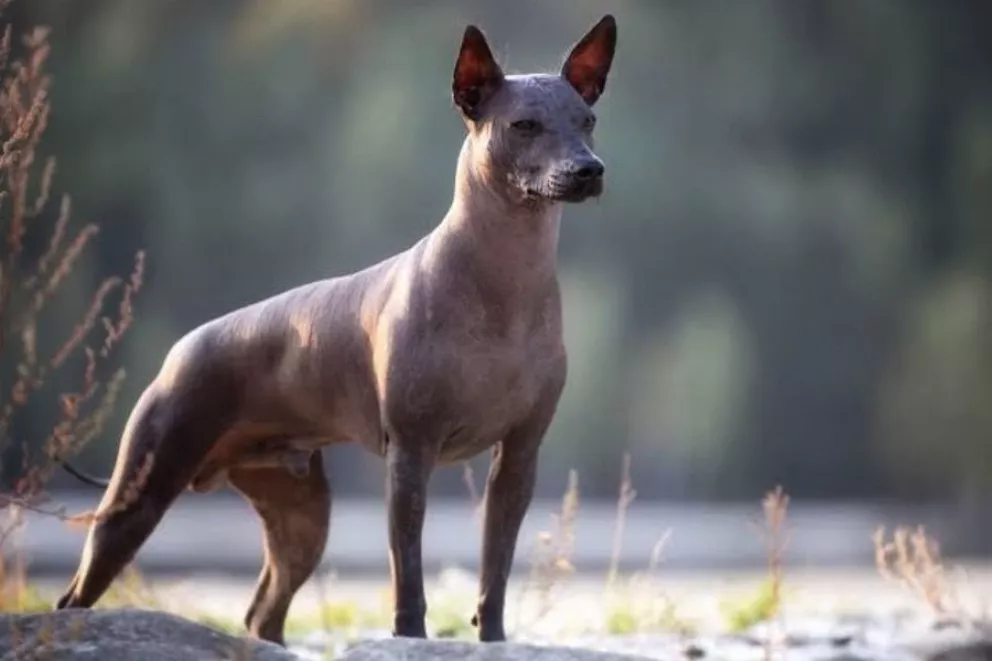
427 358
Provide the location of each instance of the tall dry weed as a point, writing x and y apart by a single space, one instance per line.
40 252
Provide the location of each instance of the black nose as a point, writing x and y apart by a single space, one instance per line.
590 170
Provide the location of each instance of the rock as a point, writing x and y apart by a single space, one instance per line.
124 635
976 651
410 649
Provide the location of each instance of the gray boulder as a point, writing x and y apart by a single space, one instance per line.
978 651
124 635
409 649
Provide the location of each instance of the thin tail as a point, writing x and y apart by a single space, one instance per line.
88 479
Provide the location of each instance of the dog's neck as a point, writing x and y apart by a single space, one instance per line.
508 241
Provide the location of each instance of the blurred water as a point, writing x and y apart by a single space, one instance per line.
221 534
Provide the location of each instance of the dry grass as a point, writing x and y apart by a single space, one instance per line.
775 535
638 604
29 283
913 560
766 604
331 617
551 556
635 604
624 499
63 372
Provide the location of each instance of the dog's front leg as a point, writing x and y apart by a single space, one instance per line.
509 490
408 471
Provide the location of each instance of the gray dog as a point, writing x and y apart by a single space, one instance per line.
426 358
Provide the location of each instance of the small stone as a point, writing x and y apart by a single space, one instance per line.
947 623
842 641
797 640
694 651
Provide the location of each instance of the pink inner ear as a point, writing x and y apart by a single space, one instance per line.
589 61
476 67
585 78
476 76
473 72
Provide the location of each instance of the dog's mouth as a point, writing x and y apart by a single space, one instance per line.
560 188
574 191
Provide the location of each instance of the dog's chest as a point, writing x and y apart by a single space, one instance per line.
493 384
494 362
467 380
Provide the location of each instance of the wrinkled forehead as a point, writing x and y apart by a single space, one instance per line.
539 95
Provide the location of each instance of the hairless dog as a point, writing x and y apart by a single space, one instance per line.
427 358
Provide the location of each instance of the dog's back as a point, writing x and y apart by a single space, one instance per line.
300 361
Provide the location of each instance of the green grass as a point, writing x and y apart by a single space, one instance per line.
336 616
24 599
622 621
744 613
451 622
630 613
228 625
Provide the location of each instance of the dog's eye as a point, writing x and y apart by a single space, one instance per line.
526 126
589 123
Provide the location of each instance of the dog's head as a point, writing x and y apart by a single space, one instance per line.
531 135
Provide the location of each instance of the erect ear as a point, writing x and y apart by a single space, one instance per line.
477 74
589 62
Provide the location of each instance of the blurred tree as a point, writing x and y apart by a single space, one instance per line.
797 199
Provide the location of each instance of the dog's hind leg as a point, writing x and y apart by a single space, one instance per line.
163 442
295 513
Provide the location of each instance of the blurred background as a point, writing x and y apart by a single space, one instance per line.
788 280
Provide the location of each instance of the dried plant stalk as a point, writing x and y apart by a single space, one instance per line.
30 279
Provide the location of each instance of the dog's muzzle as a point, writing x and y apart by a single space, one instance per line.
578 184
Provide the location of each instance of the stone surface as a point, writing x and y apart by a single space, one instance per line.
406 649
803 639
979 651
124 635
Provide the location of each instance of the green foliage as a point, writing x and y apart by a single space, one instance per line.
347 617
131 590
621 621
451 623
750 284
22 599
761 606
640 611
226 625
